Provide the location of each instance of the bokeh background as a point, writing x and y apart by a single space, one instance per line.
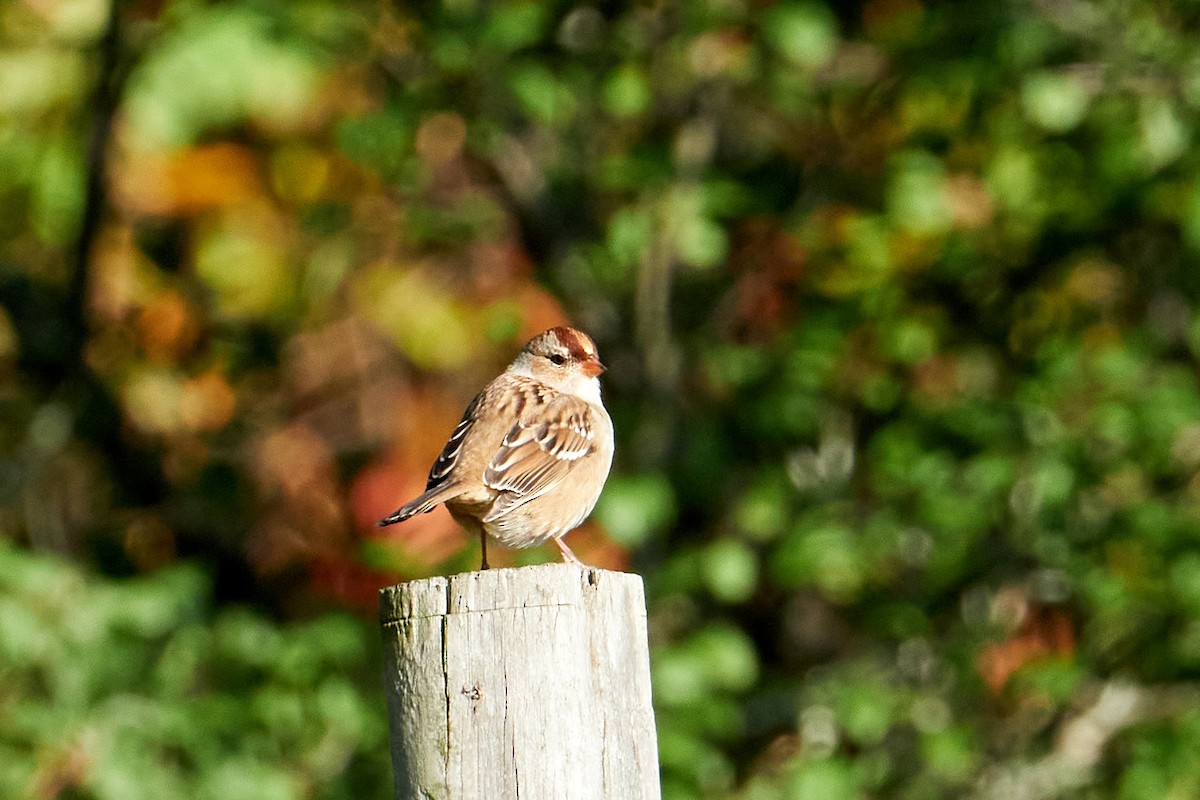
900 304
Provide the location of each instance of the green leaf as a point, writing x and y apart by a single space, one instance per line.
730 570
515 26
627 91
1057 101
633 507
805 33
825 779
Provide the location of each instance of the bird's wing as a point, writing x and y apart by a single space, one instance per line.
539 451
442 468
440 487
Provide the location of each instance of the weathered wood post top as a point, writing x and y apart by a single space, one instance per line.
523 683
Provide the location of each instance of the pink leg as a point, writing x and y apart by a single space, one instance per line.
566 551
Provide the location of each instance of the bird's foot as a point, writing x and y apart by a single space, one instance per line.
483 562
567 554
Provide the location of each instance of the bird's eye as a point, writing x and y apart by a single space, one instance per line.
557 360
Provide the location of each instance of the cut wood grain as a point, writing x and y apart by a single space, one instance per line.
520 683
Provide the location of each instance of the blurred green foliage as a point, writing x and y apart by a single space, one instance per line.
901 304
141 688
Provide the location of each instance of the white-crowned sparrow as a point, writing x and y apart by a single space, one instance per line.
532 452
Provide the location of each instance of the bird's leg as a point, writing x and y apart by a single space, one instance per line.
483 547
566 551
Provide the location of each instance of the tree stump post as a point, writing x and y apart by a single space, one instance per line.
520 683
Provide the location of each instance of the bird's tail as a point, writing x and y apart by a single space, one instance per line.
422 504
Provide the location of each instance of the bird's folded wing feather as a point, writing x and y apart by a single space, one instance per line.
538 452
444 465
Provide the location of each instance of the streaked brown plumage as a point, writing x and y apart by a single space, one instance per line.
528 460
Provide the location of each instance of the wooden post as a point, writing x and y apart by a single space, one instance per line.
520 683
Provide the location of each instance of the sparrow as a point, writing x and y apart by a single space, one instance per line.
528 460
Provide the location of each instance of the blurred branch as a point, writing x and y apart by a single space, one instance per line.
103 108
94 409
1083 738
652 310
1072 17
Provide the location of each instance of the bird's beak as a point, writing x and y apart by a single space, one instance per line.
592 367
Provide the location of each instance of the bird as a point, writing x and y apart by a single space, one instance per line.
530 457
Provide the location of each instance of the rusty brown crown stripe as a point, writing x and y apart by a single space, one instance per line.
578 345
